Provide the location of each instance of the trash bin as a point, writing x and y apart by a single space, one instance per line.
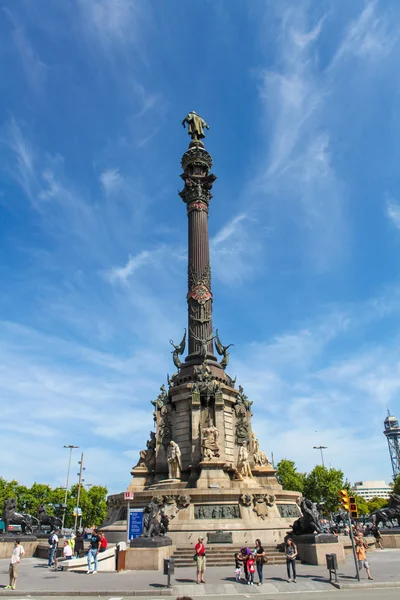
169 566
331 562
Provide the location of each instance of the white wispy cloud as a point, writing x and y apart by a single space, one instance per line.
393 212
112 22
111 180
368 36
122 274
35 69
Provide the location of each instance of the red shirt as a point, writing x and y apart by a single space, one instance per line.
250 565
200 549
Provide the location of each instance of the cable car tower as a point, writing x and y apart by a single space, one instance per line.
392 432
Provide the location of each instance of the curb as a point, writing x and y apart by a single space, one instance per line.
149 593
362 586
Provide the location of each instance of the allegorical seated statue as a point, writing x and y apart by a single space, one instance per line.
209 440
174 461
260 458
243 466
310 521
195 125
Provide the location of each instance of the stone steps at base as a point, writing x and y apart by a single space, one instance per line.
225 563
223 556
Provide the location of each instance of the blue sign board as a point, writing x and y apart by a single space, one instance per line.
135 523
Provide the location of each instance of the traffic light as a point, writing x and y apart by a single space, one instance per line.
353 507
344 499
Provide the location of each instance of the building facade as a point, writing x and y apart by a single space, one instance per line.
372 489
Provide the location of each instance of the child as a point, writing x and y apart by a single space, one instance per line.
361 547
251 569
238 563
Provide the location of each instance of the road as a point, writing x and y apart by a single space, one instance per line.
365 594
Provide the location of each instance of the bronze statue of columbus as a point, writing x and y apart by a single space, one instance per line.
196 125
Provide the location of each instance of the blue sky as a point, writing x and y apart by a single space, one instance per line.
302 100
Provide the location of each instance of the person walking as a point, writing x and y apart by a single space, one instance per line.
291 554
79 549
200 560
16 556
361 548
53 542
93 552
259 555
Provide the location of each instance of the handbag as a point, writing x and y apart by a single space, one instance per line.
195 557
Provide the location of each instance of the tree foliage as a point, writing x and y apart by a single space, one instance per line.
362 504
377 503
322 486
289 477
396 485
93 502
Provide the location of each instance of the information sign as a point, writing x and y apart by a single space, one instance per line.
135 523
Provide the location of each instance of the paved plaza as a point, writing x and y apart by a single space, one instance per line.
36 580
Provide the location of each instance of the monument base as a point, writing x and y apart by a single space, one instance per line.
148 554
312 548
212 475
159 541
29 542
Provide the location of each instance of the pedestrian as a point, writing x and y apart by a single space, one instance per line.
200 558
79 545
53 543
16 555
361 547
259 555
245 552
251 569
93 552
71 542
377 535
291 554
103 542
238 564
68 554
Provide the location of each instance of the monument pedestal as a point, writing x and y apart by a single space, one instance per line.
313 548
147 554
212 475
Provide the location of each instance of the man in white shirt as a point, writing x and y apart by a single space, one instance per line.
68 554
17 553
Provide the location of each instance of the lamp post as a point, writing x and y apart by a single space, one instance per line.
322 454
82 468
71 447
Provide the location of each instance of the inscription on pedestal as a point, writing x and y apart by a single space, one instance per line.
288 510
219 537
217 511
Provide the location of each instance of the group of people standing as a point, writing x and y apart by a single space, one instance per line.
250 560
74 548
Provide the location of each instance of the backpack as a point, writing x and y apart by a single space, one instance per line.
50 540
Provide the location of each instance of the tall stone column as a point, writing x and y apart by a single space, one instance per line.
196 164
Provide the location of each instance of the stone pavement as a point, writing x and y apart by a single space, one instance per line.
35 579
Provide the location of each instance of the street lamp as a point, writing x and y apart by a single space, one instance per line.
322 455
70 447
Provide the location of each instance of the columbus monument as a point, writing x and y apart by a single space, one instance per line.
203 466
